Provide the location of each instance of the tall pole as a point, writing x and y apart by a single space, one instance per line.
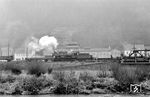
1 51
8 48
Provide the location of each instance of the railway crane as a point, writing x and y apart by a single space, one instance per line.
136 57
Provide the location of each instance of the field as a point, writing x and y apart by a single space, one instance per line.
101 77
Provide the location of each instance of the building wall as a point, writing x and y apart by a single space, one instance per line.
18 57
115 53
97 53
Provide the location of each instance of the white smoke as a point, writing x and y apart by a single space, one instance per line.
45 43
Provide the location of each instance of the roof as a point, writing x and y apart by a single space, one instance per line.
95 49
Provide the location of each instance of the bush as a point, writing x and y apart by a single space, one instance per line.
103 74
32 85
68 84
14 67
72 86
85 76
60 89
36 68
59 76
5 79
50 70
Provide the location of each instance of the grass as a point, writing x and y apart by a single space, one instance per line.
71 82
130 74
104 74
14 67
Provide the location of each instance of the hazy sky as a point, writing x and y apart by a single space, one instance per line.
92 23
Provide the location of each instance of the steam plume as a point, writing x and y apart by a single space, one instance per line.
45 43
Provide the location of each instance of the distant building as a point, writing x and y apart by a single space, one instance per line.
98 52
71 46
95 52
115 53
22 54
18 57
5 51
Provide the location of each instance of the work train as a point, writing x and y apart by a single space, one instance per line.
56 56
65 56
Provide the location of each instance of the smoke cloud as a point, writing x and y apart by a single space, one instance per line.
45 43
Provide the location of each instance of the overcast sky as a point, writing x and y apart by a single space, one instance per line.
92 23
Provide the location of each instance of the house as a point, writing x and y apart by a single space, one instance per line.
22 54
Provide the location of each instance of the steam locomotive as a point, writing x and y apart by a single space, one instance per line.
74 56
